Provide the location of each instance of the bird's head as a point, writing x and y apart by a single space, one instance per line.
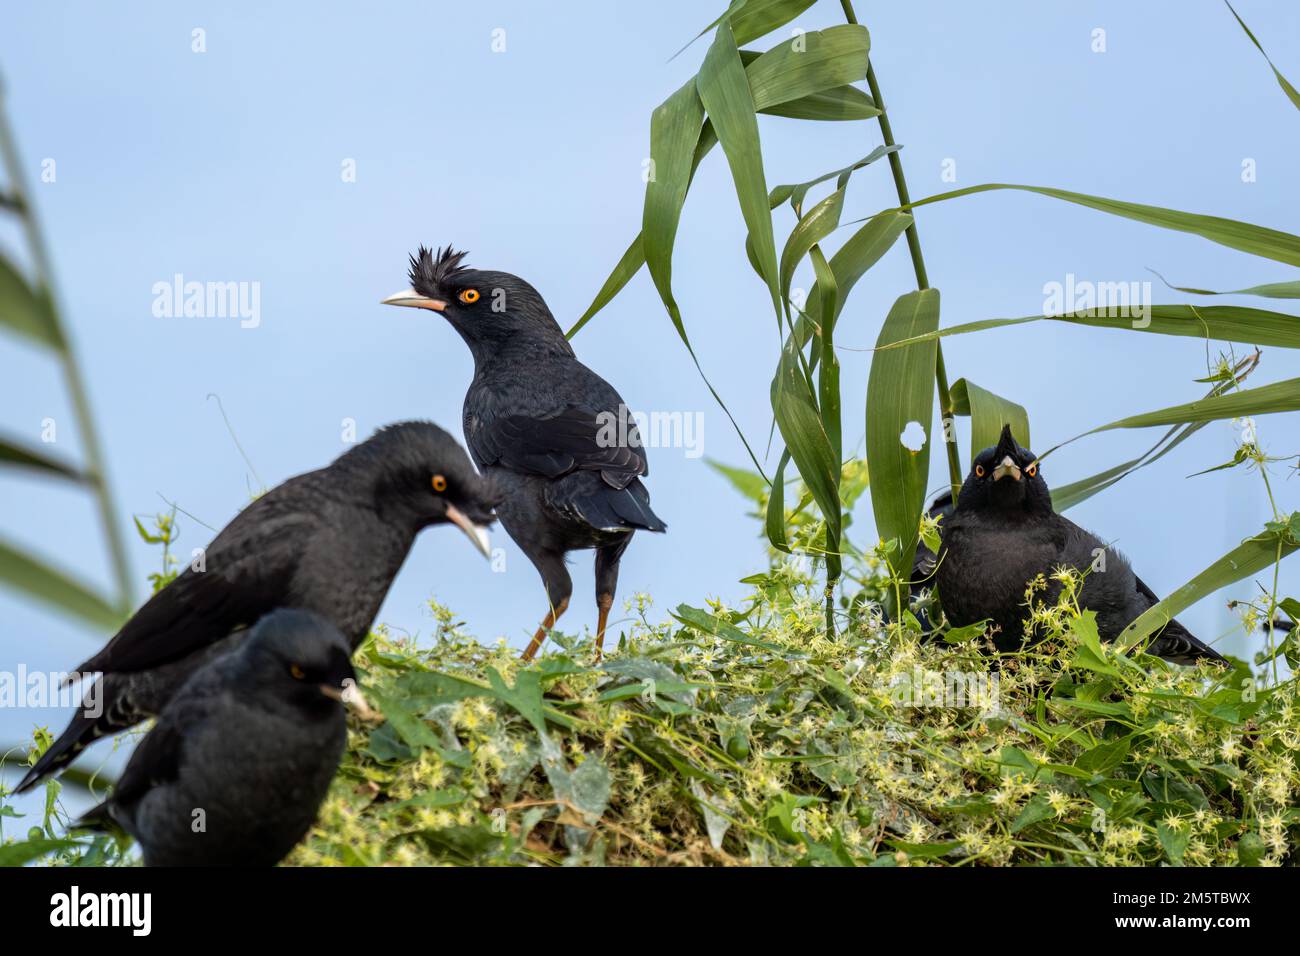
1005 478
487 309
300 658
418 475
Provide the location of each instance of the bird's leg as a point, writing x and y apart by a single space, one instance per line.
550 565
603 602
552 616
607 559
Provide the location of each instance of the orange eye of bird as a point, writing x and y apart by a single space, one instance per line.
439 483
469 296
1032 470
296 672
979 471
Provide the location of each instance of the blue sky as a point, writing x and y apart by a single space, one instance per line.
226 166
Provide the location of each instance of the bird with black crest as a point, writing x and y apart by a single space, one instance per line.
329 541
1004 533
557 438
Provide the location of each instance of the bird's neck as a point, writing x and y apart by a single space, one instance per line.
1001 516
513 351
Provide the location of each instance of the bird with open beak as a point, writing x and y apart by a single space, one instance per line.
555 437
1004 533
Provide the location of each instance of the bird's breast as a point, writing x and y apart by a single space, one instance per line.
985 571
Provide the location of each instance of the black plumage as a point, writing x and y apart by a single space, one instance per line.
329 541
556 437
1004 533
235 768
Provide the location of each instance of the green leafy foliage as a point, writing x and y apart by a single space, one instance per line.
740 736
17 454
54 841
55 587
750 736
1242 236
1291 92
1253 555
988 413
25 310
1228 323
900 399
28 310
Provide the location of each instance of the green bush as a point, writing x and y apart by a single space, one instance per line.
748 737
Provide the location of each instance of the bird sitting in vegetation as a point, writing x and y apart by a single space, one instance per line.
1004 534
329 541
233 772
555 436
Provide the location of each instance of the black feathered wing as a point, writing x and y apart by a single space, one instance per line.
119 712
575 438
1174 642
157 759
572 447
247 571
122 700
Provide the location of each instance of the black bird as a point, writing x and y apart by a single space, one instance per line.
329 541
554 435
235 768
1004 533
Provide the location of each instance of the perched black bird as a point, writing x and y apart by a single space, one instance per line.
236 766
1004 533
555 436
330 541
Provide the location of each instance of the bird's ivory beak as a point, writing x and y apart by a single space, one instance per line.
1006 467
475 532
350 696
413 299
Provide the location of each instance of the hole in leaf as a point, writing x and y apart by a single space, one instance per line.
913 436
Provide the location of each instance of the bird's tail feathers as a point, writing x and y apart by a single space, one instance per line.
1176 643
618 509
79 734
98 817
111 710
